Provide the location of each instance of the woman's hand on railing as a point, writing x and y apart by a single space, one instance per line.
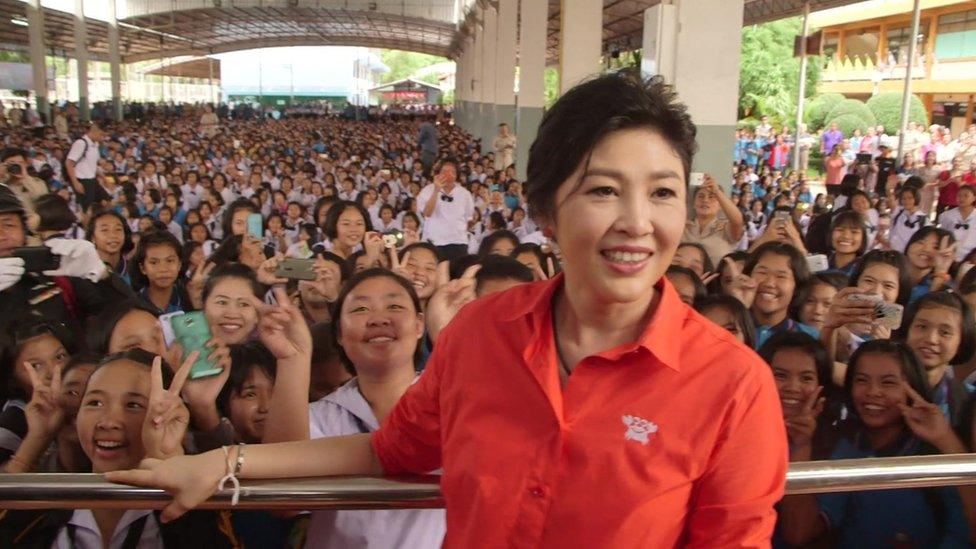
191 480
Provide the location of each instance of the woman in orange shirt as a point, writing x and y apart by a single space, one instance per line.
594 409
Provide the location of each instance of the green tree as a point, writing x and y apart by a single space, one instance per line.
769 74
818 109
886 107
404 63
852 107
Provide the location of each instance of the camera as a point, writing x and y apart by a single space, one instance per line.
393 238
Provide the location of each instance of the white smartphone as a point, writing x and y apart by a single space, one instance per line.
165 322
696 179
817 263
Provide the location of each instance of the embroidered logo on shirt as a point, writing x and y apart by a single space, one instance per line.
638 429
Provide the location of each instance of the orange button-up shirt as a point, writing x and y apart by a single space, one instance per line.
675 439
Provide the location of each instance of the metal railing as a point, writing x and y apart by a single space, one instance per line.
91 491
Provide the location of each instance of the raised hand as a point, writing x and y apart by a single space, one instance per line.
282 329
166 416
266 271
844 310
201 394
194 288
945 256
44 412
448 299
801 427
927 421
743 286
373 245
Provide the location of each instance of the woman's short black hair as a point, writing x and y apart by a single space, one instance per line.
344 272
738 310
18 333
484 249
949 300
244 358
501 267
707 266
885 257
411 215
351 285
235 206
90 229
155 238
805 343
232 270
911 189
420 245
585 114
332 220
797 261
928 231
851 219
139 356
101 327
913 371
54 213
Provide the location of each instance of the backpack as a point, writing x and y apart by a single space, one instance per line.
64 161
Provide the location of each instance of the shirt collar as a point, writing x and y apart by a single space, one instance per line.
661 337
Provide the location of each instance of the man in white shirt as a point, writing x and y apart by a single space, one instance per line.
82 166
446 207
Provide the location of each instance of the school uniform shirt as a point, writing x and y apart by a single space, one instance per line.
964 230
88 536
346 412
674 439
192 196
716 237
84 152
448 224
893 518
763 333
903 226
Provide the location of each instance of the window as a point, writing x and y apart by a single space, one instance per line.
831 43
957 35
898 40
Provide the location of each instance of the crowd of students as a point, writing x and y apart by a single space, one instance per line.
860 301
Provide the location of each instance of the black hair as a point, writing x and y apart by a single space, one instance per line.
9 152
232 270
949 300
789 339
101 327
715 287
90 229
411 215
928 231
54 213
738 310
344 272
498 267
583 116
80 359
797 261
910 367
139 356
484 249
885 257
707 266
852 219
244 359
228 220
496 219
968 283
332 220
421 245
913 190
155 238
18 333
351 285
692 275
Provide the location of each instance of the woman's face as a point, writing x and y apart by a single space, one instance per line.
109 235
706 203
351 227
249 407
110 418
230 311
165 216
723 317
684 285
880 279
238 221
795 373
198 234
386 215
620 226
72 386
137 329
422 268
43 353
503 246
145 224
775 284
860 204
690 257
921 254
877 390
934 335
379 326
161 266
813 311
908 200
846 239
530 260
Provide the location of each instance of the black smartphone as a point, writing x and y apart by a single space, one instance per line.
37 258
296 269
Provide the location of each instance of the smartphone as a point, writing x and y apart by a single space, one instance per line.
781 216
255 225
695 179
888 315
166 324
393 238
817 263
37 259
193 333
296 269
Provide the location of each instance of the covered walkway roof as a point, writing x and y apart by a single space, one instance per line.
151 29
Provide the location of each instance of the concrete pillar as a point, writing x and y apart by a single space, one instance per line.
488 75
35 35
81 57
460 86
476 81
532 89
714 107
505 65
580 41
115 61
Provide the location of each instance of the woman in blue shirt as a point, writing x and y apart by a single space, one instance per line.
884 386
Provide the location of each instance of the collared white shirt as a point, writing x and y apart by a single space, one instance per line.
449 222
88 536
903 226
86 160
346 412
192 196
963 229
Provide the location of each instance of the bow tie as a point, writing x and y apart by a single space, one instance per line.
962 226
912 224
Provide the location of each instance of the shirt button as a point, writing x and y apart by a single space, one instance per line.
537 492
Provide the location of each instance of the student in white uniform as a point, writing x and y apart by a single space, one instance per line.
961 221
906 219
